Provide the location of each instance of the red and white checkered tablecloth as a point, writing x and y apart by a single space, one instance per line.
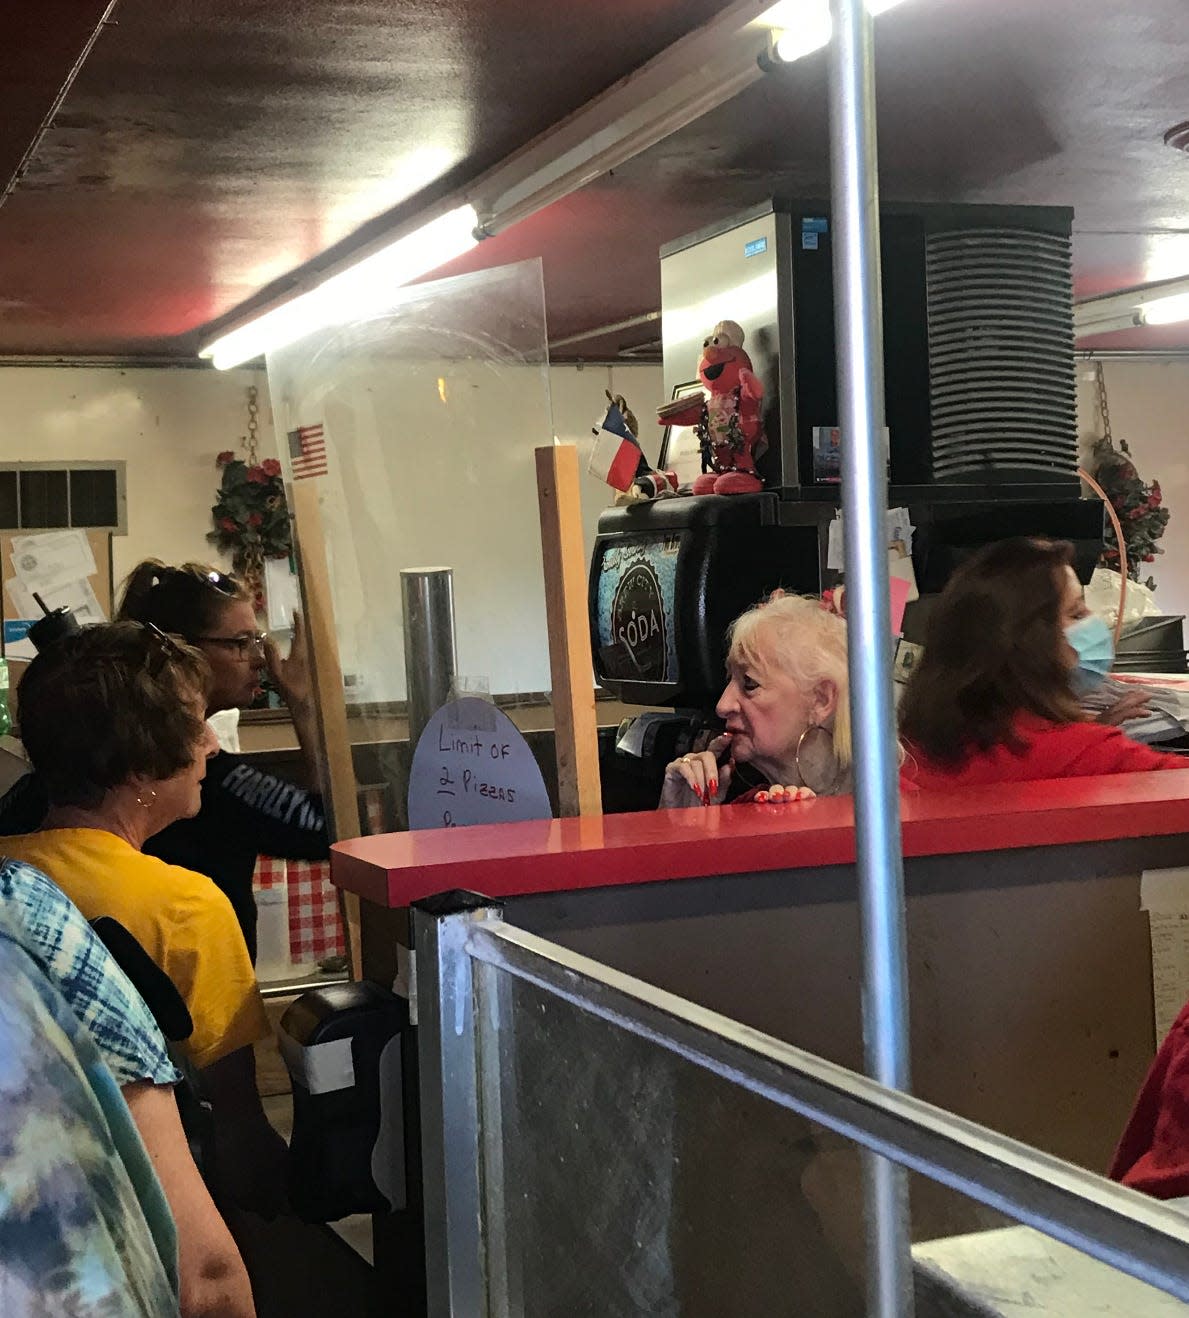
315 925
269 873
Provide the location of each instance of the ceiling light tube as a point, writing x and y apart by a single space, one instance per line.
1166 310
805 26
1165 303
358 290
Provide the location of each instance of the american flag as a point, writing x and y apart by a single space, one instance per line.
307 452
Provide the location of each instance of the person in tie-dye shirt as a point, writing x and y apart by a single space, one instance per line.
85 1231
40 919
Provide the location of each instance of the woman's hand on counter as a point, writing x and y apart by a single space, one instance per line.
698 778
1132 705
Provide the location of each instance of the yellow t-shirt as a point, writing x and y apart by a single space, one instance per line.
180 919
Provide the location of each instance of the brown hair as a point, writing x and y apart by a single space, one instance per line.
992 651
185 601
115 702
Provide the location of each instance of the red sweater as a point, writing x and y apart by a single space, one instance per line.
1153 1154
1048 750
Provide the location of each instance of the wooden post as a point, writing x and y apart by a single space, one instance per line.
576 731
340 791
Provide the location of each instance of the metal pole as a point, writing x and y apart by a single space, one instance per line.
857 316
427 603
447 1040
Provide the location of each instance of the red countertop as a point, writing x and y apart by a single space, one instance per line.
560 855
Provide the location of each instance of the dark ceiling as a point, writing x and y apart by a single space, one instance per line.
208 149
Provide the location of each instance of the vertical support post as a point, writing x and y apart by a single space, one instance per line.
450 1136
327 676
576 733
855 199
431 658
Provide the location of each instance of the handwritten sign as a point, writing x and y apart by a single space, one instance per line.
473 766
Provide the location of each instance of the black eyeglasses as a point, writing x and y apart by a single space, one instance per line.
243 645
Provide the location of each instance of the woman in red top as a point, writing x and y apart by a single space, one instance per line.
994 698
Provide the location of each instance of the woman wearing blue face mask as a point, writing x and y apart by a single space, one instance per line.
996 697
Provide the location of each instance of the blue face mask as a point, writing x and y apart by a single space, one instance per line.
1095 648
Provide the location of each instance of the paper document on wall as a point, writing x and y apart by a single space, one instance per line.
1164 894
899 531
46 562
77 596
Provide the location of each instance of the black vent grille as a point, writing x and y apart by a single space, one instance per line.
1001 366
44 496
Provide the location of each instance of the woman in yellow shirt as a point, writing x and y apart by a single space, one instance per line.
113 720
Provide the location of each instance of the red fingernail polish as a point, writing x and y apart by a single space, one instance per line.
714 786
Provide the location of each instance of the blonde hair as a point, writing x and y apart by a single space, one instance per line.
807 643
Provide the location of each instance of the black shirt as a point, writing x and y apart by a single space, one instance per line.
245 813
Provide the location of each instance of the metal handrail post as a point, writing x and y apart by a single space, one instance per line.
452 1192
1139 1236
857 316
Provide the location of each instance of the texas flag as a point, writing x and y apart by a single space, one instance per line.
617 457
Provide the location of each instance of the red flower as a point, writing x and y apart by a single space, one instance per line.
227 524
256 476
224 458
255 519
1149 558
270 467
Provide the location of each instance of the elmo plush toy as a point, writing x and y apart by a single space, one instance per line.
727 417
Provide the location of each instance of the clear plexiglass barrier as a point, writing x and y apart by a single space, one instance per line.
593 1145
418 427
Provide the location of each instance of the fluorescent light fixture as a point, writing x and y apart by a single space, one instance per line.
1166 310
806 26
695 75
1165 303
812 33
361 289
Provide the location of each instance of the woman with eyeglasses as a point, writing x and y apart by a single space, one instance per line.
245 812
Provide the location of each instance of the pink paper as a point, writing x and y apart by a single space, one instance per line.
899 592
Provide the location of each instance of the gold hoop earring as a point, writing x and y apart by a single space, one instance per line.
140 801
832 784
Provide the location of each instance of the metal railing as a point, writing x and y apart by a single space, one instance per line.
1125 1230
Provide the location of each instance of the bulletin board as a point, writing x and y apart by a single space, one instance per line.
70 568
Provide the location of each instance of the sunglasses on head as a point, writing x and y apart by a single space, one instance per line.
211 580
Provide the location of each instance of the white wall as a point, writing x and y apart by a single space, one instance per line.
166 424
1149 407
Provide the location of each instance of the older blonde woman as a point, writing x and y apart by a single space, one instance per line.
785 709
